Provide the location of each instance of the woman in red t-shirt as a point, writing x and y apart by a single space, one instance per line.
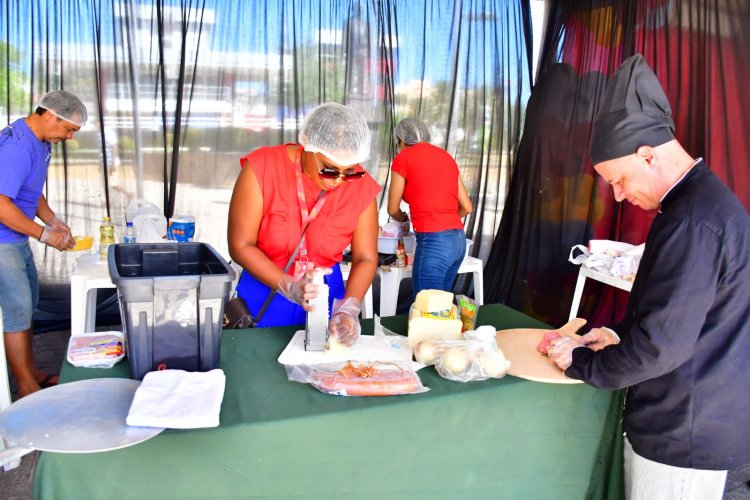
317 182
427 178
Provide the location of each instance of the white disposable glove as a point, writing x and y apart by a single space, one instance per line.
561 351
344 326
300 289
58 224
599 338
58 239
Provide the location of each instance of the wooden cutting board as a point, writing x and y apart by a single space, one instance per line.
519 347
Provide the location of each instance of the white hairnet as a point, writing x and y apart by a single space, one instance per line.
337 131
411 131
65 105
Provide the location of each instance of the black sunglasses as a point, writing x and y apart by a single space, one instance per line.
329 173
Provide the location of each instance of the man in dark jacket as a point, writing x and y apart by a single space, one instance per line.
684 353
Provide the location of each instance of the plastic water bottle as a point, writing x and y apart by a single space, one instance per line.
129 236
106 236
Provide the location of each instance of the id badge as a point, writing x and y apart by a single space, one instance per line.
302 266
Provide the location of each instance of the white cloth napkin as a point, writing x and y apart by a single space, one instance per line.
177 399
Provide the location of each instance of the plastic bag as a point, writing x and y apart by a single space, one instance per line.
395 340
395 229
96 349
141 207
476 357
148 221
618 259
354 378
468 309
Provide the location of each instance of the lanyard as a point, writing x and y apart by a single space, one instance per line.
307 218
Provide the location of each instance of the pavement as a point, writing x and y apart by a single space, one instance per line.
50 349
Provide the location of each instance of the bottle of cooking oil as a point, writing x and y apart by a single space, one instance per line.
106 236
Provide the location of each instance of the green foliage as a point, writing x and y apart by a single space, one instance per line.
13 77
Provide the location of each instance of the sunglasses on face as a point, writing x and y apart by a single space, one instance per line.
330 173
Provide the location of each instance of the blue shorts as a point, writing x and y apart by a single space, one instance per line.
19 286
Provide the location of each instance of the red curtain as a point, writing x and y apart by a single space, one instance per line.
699 52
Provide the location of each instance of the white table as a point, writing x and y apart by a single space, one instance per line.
583 274
390 282
367 307
90 273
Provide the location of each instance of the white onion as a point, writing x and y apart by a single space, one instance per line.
456 360
425 351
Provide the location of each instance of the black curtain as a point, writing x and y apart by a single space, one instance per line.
179 90
699 51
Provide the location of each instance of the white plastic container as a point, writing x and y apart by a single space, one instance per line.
390 245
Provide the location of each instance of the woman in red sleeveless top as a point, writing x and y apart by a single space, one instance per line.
319 183
427 178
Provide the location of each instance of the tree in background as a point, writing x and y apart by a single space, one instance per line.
13 81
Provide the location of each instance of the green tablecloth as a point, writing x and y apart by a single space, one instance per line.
507 438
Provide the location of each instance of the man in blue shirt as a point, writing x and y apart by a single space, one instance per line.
25 152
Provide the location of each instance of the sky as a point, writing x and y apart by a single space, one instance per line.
418 27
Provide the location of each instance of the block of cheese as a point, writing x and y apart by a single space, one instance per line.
421 328
433 301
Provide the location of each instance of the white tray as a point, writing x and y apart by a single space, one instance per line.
368 348
79 417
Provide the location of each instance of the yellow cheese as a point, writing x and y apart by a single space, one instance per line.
433 301
421 328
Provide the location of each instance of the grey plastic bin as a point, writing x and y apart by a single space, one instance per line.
172 299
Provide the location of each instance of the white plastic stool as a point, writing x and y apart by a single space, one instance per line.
367 308
390 282
585 272
90 273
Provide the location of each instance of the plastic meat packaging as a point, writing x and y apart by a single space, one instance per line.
96 349
353 378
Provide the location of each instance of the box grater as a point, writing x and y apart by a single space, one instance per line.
316 325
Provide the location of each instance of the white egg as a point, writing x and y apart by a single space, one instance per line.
493 363
425 351
456 360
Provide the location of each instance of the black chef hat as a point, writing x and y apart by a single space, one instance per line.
635 112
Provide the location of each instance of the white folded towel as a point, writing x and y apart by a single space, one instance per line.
177 399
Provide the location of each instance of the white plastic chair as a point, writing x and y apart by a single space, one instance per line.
390 281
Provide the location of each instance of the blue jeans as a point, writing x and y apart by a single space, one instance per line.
19 285
437 259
